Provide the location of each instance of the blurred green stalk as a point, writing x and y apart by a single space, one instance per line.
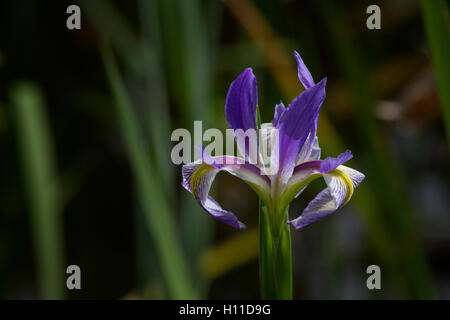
437 26
157 125
188 42
275 259
158 215
40 173
402 252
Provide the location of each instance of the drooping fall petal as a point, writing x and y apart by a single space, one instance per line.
341 183
198 177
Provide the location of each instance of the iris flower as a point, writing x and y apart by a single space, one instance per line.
297 159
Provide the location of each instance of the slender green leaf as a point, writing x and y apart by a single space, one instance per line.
156 94
40 173
394 219
187 56
158 215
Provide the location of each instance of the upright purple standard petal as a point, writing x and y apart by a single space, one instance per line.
240 105
303 73
307 80
295 125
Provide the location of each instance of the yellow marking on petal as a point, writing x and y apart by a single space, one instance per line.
341 174
198 174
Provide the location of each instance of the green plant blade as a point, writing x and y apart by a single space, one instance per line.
158 215
437 26
40 176
187 56
392 217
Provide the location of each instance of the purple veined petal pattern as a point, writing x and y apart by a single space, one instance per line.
303 73
200 190
355 176
295 125
205 156
246 172
305 173
302 175
322 206
279 110
240 105
314 155
198 177
340 186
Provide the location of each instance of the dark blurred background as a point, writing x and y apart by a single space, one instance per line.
86 118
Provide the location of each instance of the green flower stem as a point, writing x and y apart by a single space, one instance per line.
275 257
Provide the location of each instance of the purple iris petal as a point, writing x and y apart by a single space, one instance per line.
241 169
305 169
307 80
279 110
297 143
329 164
330 199
224 216
314 211
199 176
240 105
303 73
205 156
296 123
201 194
241 101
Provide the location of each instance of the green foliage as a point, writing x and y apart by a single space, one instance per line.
158 215
437 26
41 181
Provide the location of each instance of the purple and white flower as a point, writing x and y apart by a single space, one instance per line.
295 154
